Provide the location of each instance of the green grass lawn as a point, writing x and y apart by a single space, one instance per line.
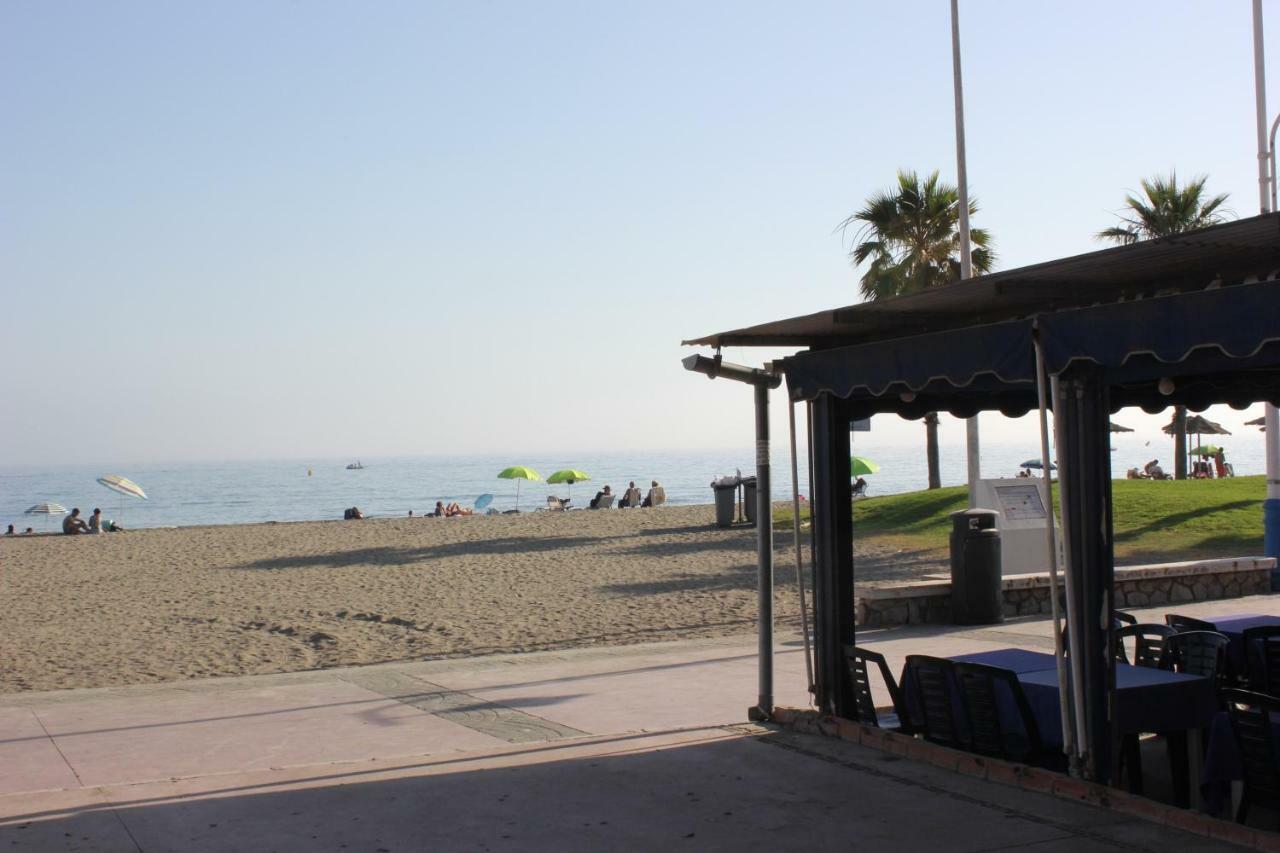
1162 520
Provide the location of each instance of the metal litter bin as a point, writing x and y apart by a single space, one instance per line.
749 498
726 491
977 594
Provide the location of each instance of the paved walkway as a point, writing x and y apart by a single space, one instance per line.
640 747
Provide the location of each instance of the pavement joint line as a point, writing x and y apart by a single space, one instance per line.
792 744
54 743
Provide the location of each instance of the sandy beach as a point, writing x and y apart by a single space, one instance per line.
161 605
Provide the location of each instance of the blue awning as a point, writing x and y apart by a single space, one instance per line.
1220 345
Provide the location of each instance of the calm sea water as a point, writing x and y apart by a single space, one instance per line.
244 492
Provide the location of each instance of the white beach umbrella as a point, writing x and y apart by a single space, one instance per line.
47 509
123 486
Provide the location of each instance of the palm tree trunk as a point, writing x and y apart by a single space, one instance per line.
931 449
1180 442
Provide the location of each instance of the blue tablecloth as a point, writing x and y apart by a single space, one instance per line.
1222 763
1243 661
1147 700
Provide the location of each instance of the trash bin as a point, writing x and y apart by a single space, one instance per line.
726 499
977 594
749 499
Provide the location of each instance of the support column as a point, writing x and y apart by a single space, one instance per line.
832 508
1084 469
764 557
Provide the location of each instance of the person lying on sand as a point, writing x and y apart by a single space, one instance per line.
73 523
454 509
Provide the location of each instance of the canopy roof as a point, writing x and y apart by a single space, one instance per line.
1247 249
1197 310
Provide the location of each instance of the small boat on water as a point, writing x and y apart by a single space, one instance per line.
355 466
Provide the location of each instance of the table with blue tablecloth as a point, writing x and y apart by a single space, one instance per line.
1241 660
1147 699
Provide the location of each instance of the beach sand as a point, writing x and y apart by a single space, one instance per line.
162 605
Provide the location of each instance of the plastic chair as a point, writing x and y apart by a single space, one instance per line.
1266 640
1148 643
932 682
858 661
989 731
1119 619
1196 653
1253 727
1182 624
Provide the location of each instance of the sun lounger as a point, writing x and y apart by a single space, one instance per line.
657 497
557 504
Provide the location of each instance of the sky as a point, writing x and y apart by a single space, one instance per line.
258 230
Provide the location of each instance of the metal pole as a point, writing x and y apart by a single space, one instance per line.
1060 660
1075 652
795 526
764 555
1270 506
972 445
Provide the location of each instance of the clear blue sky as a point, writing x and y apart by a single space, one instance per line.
234 230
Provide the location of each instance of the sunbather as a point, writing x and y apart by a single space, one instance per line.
454 509
657 495
605 492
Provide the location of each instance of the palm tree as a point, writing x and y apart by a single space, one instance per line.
1168 209
910 235
909 238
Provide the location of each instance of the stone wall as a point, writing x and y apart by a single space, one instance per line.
929 601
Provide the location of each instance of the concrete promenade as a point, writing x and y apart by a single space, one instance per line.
636 748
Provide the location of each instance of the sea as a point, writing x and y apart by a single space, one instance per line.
201 493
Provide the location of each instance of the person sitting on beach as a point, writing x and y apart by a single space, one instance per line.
631 497
438 512
454 509
605 492
11 531
95 521
30 531
1153 470
657 495
353 513
73 523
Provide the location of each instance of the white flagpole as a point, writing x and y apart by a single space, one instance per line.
1271 506
973 448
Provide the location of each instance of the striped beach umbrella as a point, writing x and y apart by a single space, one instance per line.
123 485
47 509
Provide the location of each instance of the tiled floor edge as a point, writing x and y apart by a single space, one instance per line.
1027 778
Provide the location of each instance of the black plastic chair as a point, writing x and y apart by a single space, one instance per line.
858 660
1196 653
1252 716
991 733
1265 670
1119 619
1148 643
1182 624
932 686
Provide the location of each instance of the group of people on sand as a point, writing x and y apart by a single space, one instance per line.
13 531
631 497
1199 470
451 510
74 524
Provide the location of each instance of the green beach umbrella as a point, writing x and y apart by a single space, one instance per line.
1205 450
569 476
518 473
859 466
